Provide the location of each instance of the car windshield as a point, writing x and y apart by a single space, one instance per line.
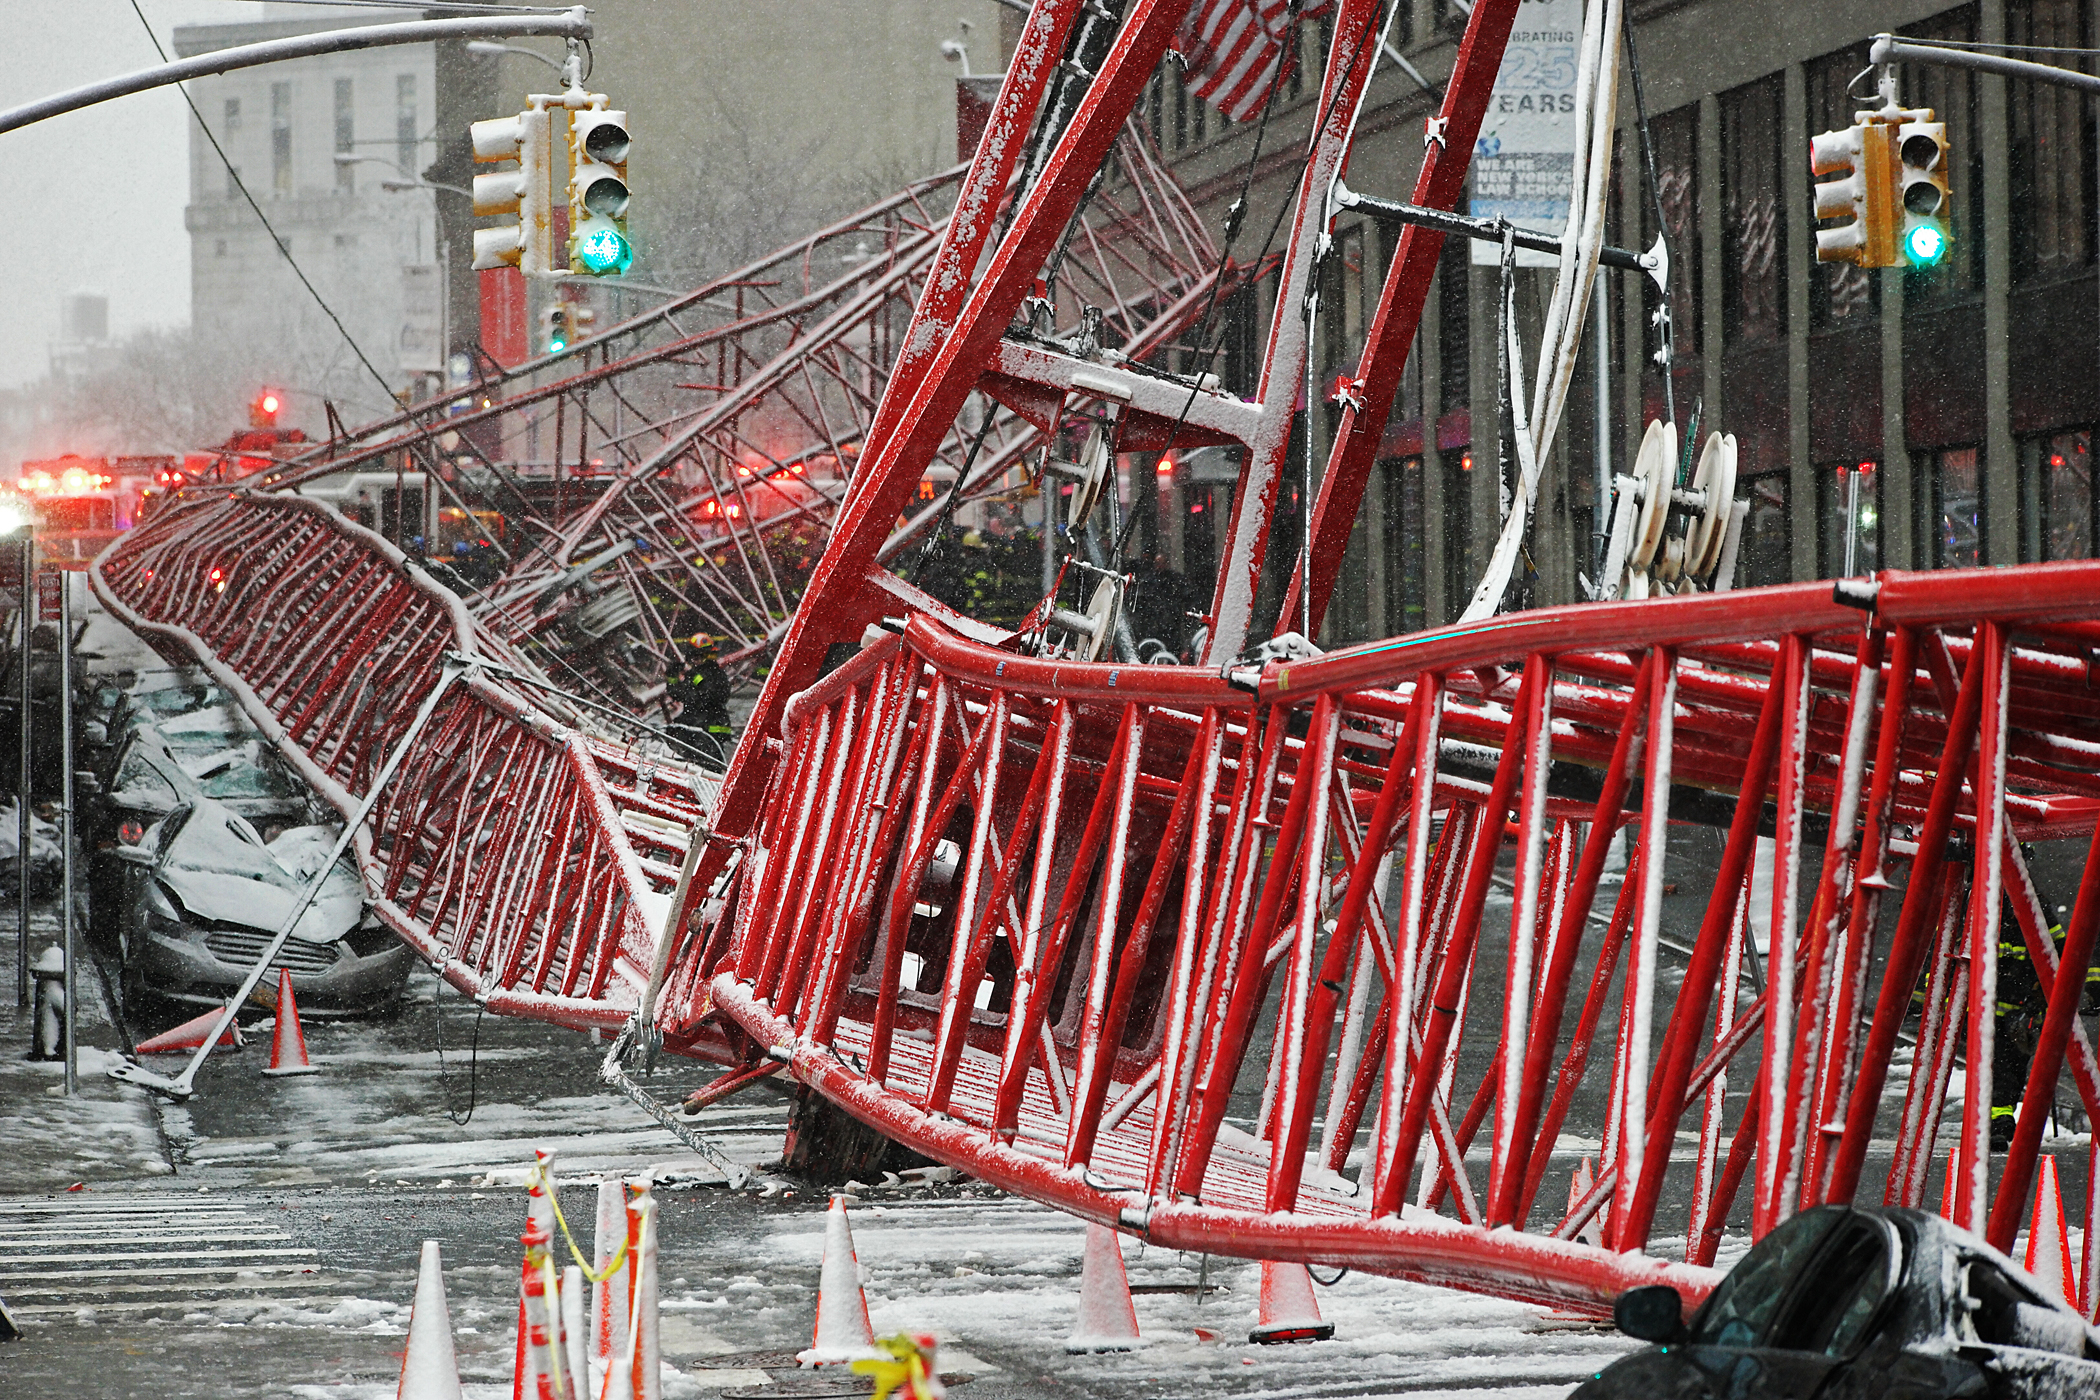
1812 1284
250 780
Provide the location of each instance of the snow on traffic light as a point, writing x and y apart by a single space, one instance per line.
526 240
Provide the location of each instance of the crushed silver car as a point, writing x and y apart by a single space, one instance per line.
205 893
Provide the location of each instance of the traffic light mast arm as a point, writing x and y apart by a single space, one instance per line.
573 24
1889 48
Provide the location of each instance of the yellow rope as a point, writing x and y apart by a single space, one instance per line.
612 1266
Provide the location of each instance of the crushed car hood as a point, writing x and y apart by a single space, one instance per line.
220 869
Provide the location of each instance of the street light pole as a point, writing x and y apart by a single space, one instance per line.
65 814
22 818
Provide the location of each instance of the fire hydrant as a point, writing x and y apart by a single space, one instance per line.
48 1023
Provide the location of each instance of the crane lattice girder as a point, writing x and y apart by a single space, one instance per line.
1029 916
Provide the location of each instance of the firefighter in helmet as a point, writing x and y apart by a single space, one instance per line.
697 694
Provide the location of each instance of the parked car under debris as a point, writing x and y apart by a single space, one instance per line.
1843 1303
204 893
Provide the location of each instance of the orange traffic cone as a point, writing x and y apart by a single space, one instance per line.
1289 1312
843 1333
2048 1239
288 1043
190 1034
1107 1321
1579 1188
429 1366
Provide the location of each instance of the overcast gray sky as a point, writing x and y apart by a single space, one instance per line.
115 174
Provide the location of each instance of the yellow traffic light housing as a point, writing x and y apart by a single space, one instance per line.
1891 189
526 241
598 196
1921 147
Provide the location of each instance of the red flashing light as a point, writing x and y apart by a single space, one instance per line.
269 403
1165 467
2056 459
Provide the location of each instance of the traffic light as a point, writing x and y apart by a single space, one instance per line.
1864 157
263 410
598 145
556 321
1921 146
527 242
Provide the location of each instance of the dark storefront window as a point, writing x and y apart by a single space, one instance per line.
1753 258
2052 175
1458 530
1840 294
1406 590
2056 496
1957 508
1849 497
1766 553
1454 327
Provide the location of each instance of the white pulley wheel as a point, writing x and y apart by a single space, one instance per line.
1654 468
1101 614
1670 567
1696 533
1720 499
1095 463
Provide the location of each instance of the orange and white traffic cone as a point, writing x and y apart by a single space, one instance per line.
609 1299
1289 1312
190 1034
843 1333
1107 1321
2049 1239
288 1042
429 1366
1579 1187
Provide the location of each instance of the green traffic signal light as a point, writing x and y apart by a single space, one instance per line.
1925 244
603 250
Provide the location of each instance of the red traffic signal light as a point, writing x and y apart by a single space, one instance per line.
262 413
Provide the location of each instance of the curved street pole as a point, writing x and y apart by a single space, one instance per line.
573 23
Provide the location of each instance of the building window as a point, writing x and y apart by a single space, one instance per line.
1406 578
1766 555
1676 136
345 133
406 134
2051 173
1458 530
281 139
1840 294
1753 256
1849 500
2056 496
1342 301
1956 521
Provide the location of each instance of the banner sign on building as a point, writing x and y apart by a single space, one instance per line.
1524 162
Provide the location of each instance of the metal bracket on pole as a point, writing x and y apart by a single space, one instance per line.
1891 48
184 1084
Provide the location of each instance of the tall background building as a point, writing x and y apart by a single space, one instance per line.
332 150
